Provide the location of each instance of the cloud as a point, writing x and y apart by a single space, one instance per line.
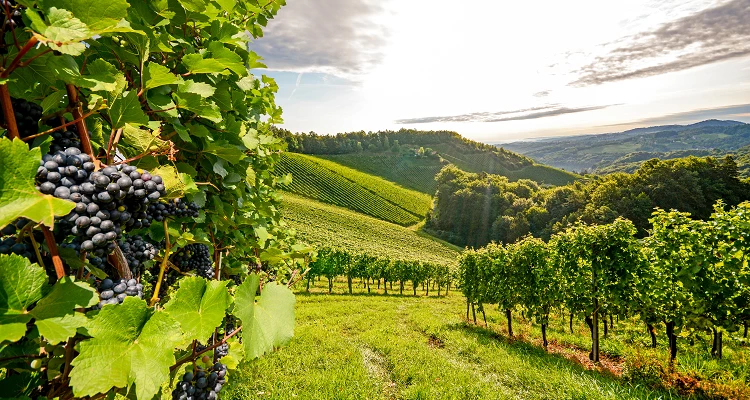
543 93
502 116
338 37
711 35
739 112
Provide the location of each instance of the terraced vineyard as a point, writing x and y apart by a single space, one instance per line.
325 224
337 184
407 171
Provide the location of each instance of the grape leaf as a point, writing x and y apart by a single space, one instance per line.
200 306
99 15
200 88
127 109
64 33
18 195
155 75
142 343
198 105
225 151
177 184
267 323
136 141
227 58
55 314
21 285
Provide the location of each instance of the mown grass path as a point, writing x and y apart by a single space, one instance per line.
405 347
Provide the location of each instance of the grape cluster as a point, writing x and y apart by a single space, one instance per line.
94 260
220 351
203 385
137 251
173 208
194 257
115 293
10 245
15 20
106 200
62 140
27 116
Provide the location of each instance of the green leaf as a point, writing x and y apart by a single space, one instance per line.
199 88
54 101
198 105
225 151
155 75
200 306
55 314
267 323
193 5
64 33
143 342
18 194
99 15
138 141
127 109
177 184
21 285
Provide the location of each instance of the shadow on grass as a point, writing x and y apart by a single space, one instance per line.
539 356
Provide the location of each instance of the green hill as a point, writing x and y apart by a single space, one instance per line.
406 170
324 224
393 155
337 184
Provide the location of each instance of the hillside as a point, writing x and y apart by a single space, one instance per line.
599 152
395 156
333 183
324 224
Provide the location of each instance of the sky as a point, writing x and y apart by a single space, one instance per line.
497 71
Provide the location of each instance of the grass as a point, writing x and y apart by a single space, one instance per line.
325 225
337 184
404 347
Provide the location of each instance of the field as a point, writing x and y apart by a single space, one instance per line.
337 184
403 347
323 224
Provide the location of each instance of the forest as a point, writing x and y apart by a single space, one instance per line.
476 209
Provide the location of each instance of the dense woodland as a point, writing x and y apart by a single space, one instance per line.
475 209
355 142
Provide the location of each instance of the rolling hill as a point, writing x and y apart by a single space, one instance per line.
334 183
600 152
325 224
392 155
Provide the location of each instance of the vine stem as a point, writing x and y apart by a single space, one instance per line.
10 116
47 132
83 132
195 356
36 250
25 49
163 267
52 245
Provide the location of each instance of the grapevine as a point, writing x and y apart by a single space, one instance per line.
128 125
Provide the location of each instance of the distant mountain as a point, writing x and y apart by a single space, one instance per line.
610 152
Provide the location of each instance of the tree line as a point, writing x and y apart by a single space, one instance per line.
474 209
332 263
355 142
689 274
